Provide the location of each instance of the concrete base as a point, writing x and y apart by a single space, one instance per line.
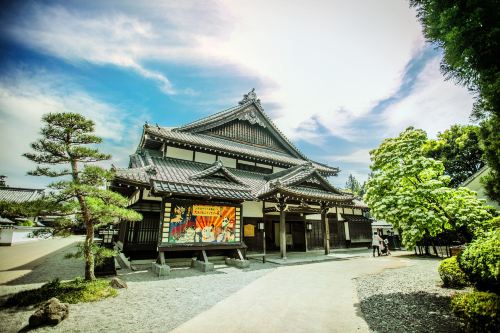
161 270
238 263
202 266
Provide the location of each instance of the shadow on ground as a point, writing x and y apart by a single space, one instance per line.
49 267
420 312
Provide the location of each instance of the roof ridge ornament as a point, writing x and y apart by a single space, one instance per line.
251 96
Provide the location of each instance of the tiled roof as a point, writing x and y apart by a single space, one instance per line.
14 194
312 193
216 169
231 147
175 176
287 181
213 191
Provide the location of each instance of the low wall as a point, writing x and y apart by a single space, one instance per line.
17 234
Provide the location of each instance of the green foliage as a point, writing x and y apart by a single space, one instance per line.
353 185
490 134
410 191
74 291
468 31
459 150
479 310
451 274
480 261
26 223
100 253
65 140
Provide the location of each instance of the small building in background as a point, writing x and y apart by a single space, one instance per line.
474 183
12 229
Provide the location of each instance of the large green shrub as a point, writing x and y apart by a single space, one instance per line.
479 310
451 274
74 291
480 261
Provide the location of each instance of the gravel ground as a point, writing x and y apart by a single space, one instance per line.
408 299
150 304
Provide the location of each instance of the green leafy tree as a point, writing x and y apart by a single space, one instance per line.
490 134
459 150
468 31
410 191
65 149
353 185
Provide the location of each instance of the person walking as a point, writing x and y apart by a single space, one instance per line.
376 243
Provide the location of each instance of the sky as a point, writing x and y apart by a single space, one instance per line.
337 77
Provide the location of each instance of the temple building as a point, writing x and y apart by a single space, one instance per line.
232 182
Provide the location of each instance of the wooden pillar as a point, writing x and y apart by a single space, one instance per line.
281 207
324 220
305 233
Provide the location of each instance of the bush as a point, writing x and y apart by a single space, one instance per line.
479 310
480 262
74 291
451 274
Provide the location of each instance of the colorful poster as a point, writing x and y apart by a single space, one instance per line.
203 224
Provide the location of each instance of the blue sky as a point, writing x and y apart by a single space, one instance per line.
336 76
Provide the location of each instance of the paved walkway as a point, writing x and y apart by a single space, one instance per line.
294 258
20 259
317 297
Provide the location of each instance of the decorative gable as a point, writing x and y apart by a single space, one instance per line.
246 123
248 129
216 171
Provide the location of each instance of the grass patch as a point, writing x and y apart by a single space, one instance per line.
74 291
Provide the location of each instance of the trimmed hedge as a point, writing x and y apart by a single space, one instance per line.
480 261
451 274
479 310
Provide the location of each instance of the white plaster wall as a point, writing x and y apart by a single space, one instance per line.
228 162
204 157
252 209
346 229
313 217
182 154
267 166
358 212
6 236
246 162
348 211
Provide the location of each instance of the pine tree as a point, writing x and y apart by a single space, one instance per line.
68 140
353 185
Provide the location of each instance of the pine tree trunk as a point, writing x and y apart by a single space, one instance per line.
88 255
89 238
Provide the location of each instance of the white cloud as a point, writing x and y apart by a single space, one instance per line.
434 105
25 97
325 60
331 60
114 39
325 63
360 156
